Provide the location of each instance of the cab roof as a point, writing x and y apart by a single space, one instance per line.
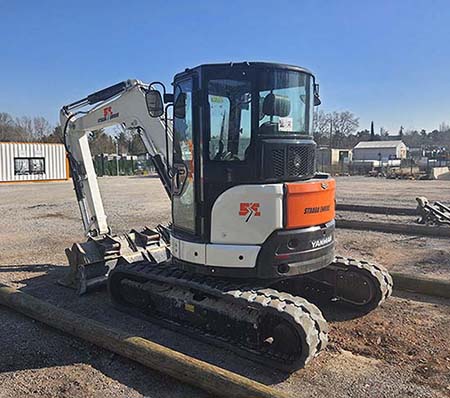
248 64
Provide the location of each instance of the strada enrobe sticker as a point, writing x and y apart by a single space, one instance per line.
108 114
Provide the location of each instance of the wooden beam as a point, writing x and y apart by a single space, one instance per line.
399 211
421 284
210 378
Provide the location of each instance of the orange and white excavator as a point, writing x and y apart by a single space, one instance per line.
251 244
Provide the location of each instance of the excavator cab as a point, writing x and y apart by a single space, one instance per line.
243 167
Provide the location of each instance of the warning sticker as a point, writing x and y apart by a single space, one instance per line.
215 98
285 124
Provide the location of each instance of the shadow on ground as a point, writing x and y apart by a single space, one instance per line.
96 305
37 346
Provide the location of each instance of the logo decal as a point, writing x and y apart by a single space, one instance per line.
324 185
318 209
249 209
108 114
321 242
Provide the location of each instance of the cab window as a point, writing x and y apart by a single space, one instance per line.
230 119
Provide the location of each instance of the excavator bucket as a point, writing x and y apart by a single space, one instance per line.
91 262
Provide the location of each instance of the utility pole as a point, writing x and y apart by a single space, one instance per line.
331 133
331 145
117 155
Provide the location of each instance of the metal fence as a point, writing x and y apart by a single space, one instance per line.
105 166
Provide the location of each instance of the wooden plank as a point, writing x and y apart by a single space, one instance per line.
215 380
404 229
421 284
399 211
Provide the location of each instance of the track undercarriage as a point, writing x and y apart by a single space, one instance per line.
275 324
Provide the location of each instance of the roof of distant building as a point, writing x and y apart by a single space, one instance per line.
378 144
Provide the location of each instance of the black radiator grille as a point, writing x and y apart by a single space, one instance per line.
300 160
278 162
290 161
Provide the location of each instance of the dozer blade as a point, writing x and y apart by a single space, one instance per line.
91 262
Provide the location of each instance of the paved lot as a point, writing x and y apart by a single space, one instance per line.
402 349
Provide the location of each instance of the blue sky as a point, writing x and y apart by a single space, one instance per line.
387 61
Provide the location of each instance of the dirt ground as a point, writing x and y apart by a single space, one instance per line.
395 193
401 349
405 253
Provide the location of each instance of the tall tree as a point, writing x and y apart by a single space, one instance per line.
55 136
334 128
40 128
100 142
383 132
7 127
136 145
24 128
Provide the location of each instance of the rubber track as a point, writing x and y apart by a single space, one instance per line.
268 301
380 274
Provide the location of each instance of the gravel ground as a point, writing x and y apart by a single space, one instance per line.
373 191
404 253
401 349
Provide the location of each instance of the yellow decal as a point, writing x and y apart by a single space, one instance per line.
215 98
189 307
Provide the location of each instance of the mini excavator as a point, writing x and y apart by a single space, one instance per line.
250 247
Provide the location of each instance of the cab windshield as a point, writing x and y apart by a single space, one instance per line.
268 102
286 102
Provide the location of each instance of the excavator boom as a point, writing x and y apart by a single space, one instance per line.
121 104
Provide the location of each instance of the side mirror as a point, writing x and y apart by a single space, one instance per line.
317 100
154 103
180 106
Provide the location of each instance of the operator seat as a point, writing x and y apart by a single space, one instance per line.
274 105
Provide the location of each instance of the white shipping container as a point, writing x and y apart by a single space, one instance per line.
31 161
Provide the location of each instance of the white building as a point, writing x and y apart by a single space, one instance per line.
333 156
31 161
379 150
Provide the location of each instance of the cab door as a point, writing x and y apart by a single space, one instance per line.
183 180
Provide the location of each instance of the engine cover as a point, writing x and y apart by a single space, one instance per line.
247 214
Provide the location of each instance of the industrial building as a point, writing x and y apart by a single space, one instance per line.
31 161
379 150
333 156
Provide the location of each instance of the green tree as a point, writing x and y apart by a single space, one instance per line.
100 142
136 145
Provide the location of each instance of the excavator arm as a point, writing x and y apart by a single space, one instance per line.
124 103
128 104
